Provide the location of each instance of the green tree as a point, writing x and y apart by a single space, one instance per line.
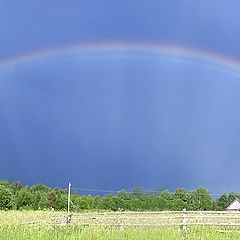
226 199
24 198
180 199
39 200
223 202
40 187
165 200
200 199
6 198
16 186
52 200
138 192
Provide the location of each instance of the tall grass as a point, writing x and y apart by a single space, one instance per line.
16 232
14 226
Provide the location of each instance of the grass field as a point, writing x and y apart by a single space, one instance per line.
14 226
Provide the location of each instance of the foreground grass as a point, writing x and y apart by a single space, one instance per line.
14 225
12 232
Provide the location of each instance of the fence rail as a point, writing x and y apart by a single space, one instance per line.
153 219
124 219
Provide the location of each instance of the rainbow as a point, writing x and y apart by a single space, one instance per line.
95 49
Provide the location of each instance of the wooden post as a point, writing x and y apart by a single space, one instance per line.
69 201
184 220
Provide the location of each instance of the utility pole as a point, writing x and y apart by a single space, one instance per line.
68 206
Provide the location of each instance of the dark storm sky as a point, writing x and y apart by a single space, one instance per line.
121 119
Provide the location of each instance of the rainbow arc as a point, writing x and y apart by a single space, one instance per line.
100 49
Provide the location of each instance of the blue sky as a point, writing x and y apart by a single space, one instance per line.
121 119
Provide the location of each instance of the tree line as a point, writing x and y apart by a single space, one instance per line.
15 196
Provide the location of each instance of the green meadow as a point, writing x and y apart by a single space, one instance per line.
15 225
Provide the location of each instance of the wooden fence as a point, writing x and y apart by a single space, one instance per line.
153 219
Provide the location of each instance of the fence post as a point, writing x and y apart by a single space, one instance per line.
184 219
68 206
